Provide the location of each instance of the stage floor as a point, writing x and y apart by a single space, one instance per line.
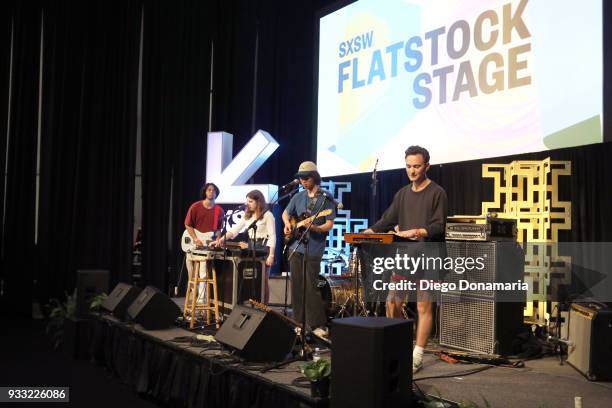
541 383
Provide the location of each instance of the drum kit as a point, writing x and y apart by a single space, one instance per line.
343 294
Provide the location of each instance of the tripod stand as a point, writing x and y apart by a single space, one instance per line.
359 306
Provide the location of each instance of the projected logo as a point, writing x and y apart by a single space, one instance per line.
232 174
467 79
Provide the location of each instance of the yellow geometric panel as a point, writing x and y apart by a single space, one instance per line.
528 191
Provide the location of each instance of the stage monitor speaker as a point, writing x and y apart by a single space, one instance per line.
590 331
153 309
120 299
89 284
257 335
381 348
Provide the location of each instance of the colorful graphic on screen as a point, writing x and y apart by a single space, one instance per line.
466 79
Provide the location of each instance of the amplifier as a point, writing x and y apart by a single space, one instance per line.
480 228
590 330
478 324
483 321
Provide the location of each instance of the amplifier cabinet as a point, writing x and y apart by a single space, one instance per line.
590 331
479 325
483 321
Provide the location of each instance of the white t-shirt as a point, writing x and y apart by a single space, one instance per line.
266 228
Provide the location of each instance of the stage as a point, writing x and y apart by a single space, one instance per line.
168 366
541 383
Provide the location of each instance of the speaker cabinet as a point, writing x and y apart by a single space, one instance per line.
120 299
483 321
89 284
590 331
257 335
479 325
153 309
383 350
278 285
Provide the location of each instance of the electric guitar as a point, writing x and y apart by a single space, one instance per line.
187 243
297 225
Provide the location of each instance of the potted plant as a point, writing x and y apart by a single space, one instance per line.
318 373
65 329
58 313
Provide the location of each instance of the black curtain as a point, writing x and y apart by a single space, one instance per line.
281 102
21 181
175 112
91 54
607 71
6 25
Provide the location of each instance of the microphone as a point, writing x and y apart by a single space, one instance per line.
241 207
338 204
291 184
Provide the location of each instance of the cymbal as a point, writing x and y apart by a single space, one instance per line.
336 259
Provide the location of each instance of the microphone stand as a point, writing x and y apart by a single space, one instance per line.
272 204
374 190
253 226
226 219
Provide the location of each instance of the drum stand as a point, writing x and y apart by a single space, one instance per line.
354 298
358 304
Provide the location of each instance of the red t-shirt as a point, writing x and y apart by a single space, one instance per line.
202 218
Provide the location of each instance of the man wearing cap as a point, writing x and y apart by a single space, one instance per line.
309 201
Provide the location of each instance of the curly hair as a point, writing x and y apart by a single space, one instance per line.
205 187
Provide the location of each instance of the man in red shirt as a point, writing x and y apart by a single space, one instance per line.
204 215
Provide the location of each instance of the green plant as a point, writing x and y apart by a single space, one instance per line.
58 312
97 301
317 370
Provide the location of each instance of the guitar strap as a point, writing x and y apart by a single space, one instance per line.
311 204
216 217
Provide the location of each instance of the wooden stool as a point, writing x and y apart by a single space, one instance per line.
209 282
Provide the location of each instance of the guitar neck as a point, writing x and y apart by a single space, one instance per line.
265 308
323 213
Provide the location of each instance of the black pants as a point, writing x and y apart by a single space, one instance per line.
315 313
